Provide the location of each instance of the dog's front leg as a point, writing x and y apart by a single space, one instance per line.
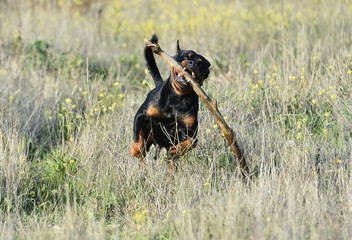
179 150
142 140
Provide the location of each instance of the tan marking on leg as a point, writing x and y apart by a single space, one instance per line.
181 148
172 166
137 149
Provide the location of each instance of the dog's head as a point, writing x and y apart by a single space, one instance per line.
195 64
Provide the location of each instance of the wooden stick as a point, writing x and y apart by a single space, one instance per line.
209 103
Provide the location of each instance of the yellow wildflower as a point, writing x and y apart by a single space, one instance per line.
299 136
299 124
68 100
140 216
314 101
146 71
74 106
327 114
78 2
333 96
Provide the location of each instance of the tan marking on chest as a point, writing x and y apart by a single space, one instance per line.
154 112
188 120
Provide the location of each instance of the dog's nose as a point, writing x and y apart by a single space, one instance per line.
190 63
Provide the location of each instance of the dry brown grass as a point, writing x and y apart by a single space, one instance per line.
282 76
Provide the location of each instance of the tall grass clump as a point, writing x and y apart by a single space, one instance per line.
72 76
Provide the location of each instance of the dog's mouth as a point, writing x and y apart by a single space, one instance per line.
180 79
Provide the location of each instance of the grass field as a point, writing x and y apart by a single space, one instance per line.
72 76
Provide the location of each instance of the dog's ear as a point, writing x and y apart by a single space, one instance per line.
154 39
178 46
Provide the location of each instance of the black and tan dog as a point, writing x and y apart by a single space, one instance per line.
168 116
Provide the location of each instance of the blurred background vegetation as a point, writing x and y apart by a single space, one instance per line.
72 76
